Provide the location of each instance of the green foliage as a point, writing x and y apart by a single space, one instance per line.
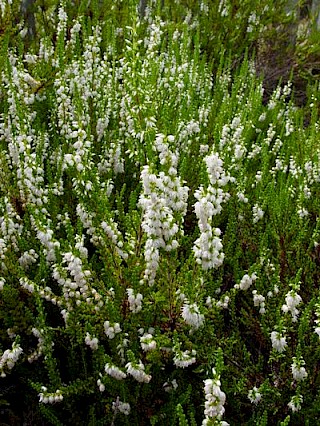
181 416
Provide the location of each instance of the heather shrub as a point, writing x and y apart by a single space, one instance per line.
159 234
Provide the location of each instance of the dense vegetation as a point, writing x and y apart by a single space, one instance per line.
159 199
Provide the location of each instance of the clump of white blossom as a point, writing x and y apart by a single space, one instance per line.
317 320
224 8
50 397
2 283
115 236
215 398
147 342
183 359
293 299
135 301
254 395
9 358
111 330
295 403
164 204
299 372
92 342
259 301
223 303
101 385
257 212
121 347
170 385
45 236
121 407
302 212
246 281
40 346
279 342
191 315
136 370
4 7
28 258
114 371
241 197
27 284
72 275
208 247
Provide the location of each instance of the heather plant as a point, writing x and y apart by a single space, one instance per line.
223 25
159 234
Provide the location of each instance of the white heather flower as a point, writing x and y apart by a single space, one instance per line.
279 342
262 117
258 176
292 301
208 247
147 342
121 348
215 398
191 315
215 171
30 59
92 342
114 235
114 372
50 398
209 302
180 296
224 8
317 320
122 407
38 352
9 358
164 203
239 151
111 330
254 395
223 303
299 372
3 248
135 301
259 301
80 246
242 197
2 283
184 359
137 372
101 386
246 281
87 221
28 258
257 212
295 403
207 422
203 149
307 191
302 212
46 239
170 386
